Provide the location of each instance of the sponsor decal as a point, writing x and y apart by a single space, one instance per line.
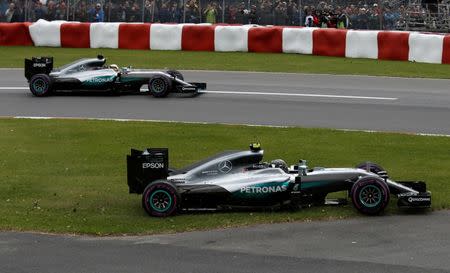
39 65
211 172
419 199
152 165
263 189
177 180
99 80
225 166
406 194
188 88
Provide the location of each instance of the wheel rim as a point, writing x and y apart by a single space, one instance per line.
158 85
370 196
39 85
160 201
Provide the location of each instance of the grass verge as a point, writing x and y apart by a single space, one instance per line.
232 61
70 176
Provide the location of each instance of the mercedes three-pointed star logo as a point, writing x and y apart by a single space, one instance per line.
225 166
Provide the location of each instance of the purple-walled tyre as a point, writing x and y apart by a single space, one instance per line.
370 195
160 199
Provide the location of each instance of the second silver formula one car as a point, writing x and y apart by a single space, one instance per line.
240 179
92 74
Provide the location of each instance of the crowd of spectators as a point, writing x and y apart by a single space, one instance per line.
353 14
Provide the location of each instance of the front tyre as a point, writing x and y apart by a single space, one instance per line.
370 195
41 85
160 199
159 86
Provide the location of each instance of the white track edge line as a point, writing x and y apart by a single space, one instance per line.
260 93
297 95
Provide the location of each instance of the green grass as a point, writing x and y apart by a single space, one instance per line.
13 57
70 176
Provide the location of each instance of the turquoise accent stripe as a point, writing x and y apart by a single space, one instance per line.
131 79
314 184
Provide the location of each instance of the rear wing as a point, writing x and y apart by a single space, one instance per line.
144 167
38 65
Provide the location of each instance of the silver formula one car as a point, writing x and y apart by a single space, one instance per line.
240 179
94 75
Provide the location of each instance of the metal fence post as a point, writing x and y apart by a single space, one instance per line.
300 12
184 11
143 10
223 11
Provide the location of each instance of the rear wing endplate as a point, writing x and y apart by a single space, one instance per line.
38 65
146 166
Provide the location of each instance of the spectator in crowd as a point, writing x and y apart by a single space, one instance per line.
309 19
241 14
281 15
96 14
165 15
192 11
135 14
3 7
40 11
151 11
81 12
342 20
253 15
266 12
177 13
210 13
14 14
61 11
231 12
51 11
9 13
292 13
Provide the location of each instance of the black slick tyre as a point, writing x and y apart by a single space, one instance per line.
41 85
370 195
176 74
159 86
160 199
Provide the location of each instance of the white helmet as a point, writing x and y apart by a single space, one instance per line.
114 67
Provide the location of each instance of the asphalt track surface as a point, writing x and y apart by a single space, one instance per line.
343 102
403 243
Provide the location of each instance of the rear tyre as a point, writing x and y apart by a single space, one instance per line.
160 199
370 167
370 195
176 74
159 86
41 85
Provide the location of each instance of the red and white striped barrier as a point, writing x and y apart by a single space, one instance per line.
383 45
15 34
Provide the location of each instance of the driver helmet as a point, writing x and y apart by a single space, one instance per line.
114 67
279 163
